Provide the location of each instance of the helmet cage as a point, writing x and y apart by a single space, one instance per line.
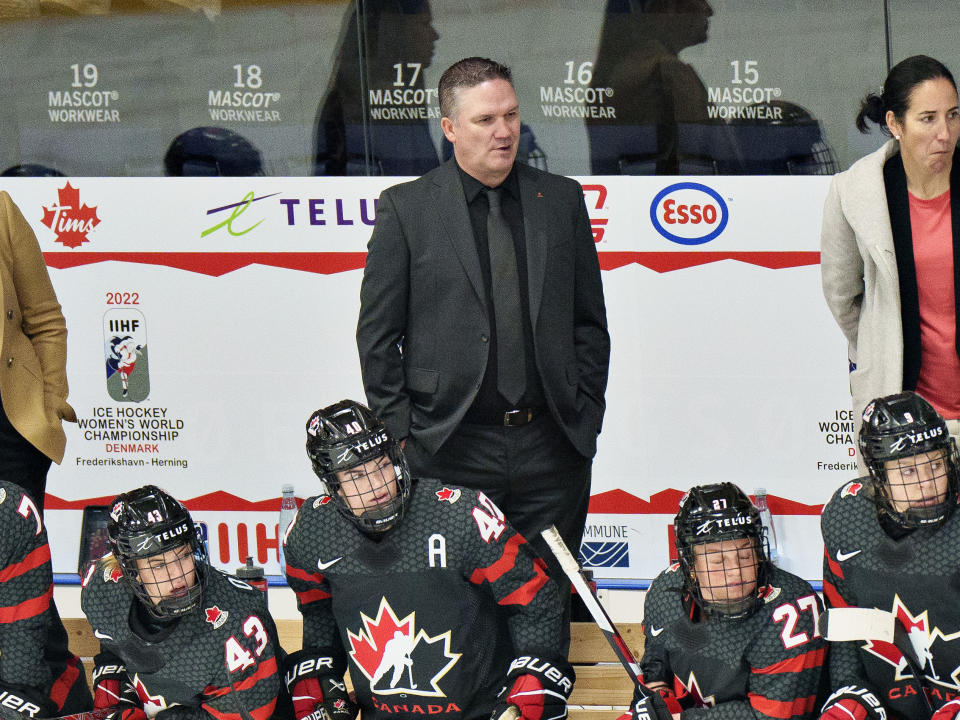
903 428
342 442
712 514
148 525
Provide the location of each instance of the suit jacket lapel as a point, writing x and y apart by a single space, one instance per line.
451 205
535 225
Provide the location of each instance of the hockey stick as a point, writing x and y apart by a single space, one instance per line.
99 714
572 570
858 624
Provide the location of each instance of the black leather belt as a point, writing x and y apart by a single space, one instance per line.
510 418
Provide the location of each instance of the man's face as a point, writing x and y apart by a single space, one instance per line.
917 481
485 130
168 575
726 570
368 486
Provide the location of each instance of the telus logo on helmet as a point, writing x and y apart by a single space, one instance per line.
689 213
704 527
915 439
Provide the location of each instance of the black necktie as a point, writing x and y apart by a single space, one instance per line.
505 286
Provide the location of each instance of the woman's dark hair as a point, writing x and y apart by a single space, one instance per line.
900 82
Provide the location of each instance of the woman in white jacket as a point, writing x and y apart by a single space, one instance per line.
890 244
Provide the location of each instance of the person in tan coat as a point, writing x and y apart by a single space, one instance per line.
890 244
33 359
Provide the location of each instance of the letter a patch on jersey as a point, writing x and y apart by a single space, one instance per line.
397 658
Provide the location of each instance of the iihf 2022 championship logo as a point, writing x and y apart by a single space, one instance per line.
125 351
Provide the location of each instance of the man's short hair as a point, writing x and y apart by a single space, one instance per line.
467 73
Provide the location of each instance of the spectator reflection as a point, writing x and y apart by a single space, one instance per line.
375 118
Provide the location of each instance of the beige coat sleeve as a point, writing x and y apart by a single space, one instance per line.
43 321
841 267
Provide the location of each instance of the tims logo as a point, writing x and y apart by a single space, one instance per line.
70 220
397 658
125 352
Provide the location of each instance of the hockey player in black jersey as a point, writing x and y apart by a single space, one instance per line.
892 542
39 677
421 587
179 640
728 635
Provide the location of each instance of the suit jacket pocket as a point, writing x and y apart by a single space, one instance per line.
421 380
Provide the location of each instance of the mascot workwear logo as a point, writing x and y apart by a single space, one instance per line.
689 213
125 352
70 220
397 658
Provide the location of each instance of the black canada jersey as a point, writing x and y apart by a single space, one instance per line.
916 577
431 614
35 666
766 665
220 660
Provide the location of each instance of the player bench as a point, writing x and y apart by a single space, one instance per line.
602 691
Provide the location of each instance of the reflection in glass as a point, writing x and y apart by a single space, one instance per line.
212 151
653 90
375 118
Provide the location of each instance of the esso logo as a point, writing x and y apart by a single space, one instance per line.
689 213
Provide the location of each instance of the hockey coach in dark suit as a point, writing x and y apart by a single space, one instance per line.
482 332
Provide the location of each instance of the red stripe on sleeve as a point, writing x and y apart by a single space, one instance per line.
526 592
782 709
26 609
308 596
813 658
833 565
834 598
267 669
305 576
63 684
260 713
506 561
34 559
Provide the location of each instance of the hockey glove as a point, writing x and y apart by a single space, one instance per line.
24 702
853 703
537 688
652 707
315 683
950 711
112 689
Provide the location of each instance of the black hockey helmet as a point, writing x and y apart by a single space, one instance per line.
148 522
711 514
906 429
353 454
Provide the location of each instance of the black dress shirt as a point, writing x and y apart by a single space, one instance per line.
489 403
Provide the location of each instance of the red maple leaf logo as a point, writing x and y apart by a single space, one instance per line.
851 489
451 496
70 220
213 614
116 574
325 499
367 647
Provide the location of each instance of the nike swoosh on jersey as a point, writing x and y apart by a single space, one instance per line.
842 556
655 631
321 565
102 636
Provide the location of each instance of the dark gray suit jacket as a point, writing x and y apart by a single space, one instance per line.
422 290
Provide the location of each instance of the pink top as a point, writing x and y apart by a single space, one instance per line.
939 380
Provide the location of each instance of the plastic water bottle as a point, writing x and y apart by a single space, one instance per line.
288 509
252 575
767 518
